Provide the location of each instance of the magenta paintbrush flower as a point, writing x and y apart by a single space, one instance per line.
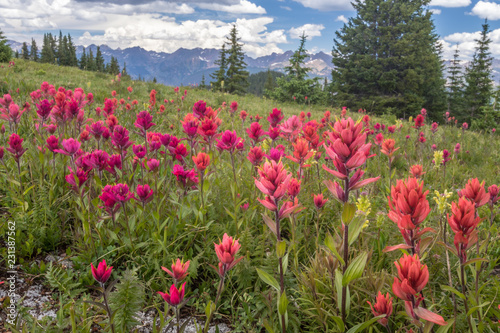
255 133
120 138
255 156
102 273
144 121
16 146
199 109
122 193
114 162
179 270
226 250
109 200
275 117
228 141
70 147
273 182
144 194
153 165
139 151
175 297
43 110
98 160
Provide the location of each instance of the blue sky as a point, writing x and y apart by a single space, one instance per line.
265 26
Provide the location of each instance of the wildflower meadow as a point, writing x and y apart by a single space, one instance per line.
208 209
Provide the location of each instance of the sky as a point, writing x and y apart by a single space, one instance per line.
265 26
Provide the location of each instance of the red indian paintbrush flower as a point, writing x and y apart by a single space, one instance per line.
139 151
98 160
382 306
416 171
208 130
419 121
294 188
301 152
255 133
463 222
493 191
273 180
255 156
319 201
226 250
109 200
179 270
153 165
43 110
201 161
16 146
122 193
408 203
413 276
102 273
475 192
175 297
120 139
388 148
275 117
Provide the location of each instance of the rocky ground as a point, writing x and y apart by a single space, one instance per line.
36 300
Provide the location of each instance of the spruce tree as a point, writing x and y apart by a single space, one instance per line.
5 50
83 60
91 64
113 68
478 77
202 83
219 75
456 87
296 82
25 53
270 82
124 71
34 50
99 60
47 54
73 60
387 59
236 75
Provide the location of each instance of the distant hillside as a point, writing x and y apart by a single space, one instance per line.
187 66
257 82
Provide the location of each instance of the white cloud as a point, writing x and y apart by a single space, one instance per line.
450 3
286 8
467 44
489 10
327 5
243 7
167 35
435 11
311 30
342 18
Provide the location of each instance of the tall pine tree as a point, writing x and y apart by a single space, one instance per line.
296 82
236 75
25 53
33 50
99 60
47 54
456 87
387 58
478 77
219 76
5 50
83 60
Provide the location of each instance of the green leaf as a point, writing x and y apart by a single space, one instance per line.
338 287
453 290
268 327
330 243
477 307
268 279
209 309
355 229
468 262
348 213
285 263
282 304
355 269
445 328
280 248
339 322
362 326
270 223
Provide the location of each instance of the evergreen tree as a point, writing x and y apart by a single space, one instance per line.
25 53
99 60
91 64
73 60
456 87
47 54
60 53
296 82
53 46
202 83
5 50
297 60
124 71
16 55
387 58
113 68
83 60
236 75
478 77
270 81
34 50
219 75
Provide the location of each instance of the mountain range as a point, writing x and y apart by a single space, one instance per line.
187 66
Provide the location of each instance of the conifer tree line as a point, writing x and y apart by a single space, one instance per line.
62 51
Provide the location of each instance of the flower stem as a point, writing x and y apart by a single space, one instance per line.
464 291
108 310
280 259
